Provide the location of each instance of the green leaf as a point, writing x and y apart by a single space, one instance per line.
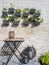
26 10
16 17
26 19
45 58
18 10
5 9
5 16
37 19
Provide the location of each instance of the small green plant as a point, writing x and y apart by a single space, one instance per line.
18 10
16 17
37 14
26 10
11 5
16 21
45 59
26 19
4 9
38 11
6 17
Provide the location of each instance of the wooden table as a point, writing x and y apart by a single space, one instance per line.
14 40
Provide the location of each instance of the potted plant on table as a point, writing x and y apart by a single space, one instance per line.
44 60
11 18
32 11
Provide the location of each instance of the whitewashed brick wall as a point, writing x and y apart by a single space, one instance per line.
37 36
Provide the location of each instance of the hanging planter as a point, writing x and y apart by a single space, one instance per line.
37 21
26 21
11 18
16 21
26 12
25 16
32 11
31 19
4 12
6 20
11 9
37 13
18 12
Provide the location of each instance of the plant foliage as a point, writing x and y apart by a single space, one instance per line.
45 59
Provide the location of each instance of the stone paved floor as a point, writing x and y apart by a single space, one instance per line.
37 36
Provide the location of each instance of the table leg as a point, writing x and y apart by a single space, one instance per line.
12 55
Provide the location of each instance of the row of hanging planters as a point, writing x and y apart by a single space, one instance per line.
28 16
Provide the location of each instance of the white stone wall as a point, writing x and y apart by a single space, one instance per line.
37 36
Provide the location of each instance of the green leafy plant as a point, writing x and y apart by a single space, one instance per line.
45 59
11 5
4 9
37 14
37 20
18 10
6 17
16 17
26 19
16 21
26 10
38 11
